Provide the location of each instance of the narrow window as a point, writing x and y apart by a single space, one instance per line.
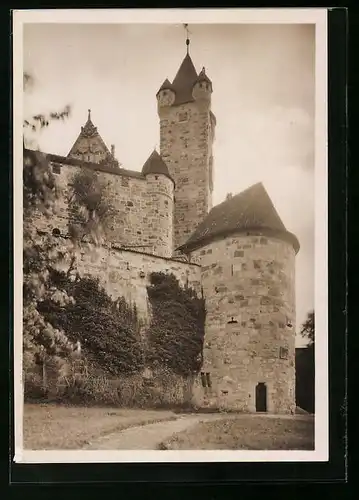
208 379
283 353
203 379
232 270
182 117
56 169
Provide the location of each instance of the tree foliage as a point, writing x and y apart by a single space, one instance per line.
176 333
305 367
40 339
90 206
308 329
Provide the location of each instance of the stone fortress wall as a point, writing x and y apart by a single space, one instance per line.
143 206
126 273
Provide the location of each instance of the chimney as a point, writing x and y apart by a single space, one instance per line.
229 196
113 150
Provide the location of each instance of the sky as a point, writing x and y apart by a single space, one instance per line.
263 97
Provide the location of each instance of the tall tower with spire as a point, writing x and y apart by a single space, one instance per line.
186 136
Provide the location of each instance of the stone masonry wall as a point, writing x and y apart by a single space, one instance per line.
249 280
143 209
185 144
126 273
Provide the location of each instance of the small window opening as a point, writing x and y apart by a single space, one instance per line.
182 117
232 269
156 177
231 321
56 169
283 353
206 379
56 232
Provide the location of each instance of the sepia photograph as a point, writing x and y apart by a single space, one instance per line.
170 232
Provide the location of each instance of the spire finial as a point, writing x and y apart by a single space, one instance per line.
187 39
89 114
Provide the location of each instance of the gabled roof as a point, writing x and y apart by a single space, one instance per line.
250 210
155 165
90 136
184 80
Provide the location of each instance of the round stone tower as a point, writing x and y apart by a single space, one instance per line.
159 205
248 279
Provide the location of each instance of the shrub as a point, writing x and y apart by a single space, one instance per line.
176 332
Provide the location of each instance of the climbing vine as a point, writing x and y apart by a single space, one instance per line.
107 330
176 332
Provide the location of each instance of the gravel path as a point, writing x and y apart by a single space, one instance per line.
147 437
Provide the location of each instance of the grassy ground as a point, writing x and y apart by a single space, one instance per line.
49 427
246 433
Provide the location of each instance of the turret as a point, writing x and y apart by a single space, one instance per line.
202 88
248 280
165 95
160 187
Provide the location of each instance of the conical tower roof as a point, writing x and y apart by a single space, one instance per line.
250 210
166 85
202 77
155 165
184 80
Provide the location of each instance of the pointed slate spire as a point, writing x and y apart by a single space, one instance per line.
184 80
251 209
155 165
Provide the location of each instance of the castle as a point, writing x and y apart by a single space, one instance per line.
238 253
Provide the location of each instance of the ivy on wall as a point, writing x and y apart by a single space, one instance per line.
107 330
176 332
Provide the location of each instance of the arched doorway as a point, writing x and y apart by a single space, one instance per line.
261 397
